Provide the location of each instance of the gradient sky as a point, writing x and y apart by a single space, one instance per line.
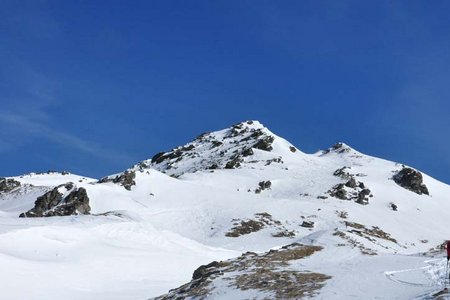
93 87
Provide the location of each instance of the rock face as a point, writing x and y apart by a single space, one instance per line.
7 185
268 273
412 180
126 179
64 200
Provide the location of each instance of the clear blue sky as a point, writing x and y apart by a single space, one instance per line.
95 86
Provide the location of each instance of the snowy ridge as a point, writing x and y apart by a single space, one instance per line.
238 146
235 190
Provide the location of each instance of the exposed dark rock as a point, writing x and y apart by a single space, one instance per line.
412 180
158 158
264 143
126 179
263 185
234 163
339 192
351 190
394 206
247 152
293 149
284 233
53 203
205 270
277 160
187 148
260 221
216 144
337 148
245 227
213 167
351 183
8 184
340 148
342 173
255 135
307 224
362 196
142 165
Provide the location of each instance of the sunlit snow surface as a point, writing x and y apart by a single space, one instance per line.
164 228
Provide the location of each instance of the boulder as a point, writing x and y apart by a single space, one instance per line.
412 180
307 224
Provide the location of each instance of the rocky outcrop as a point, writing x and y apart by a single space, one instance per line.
8 184
126 179
64 200
206 271
260 221
263 185
338 148
412 180
269 273
351 189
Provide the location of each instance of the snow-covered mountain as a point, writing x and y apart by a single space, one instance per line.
263 218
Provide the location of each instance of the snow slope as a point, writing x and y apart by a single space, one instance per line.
191 205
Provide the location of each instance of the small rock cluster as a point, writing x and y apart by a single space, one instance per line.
337 148
63 200
8 184
261 220
126 179
412 180
351 189
263 185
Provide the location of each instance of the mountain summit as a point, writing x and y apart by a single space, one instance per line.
241 145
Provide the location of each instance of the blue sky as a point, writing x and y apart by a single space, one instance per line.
95 86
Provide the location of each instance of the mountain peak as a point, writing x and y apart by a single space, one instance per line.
234 147
339 148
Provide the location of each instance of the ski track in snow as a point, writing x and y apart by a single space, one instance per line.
434 274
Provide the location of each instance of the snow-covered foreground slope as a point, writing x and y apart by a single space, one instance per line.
227 192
